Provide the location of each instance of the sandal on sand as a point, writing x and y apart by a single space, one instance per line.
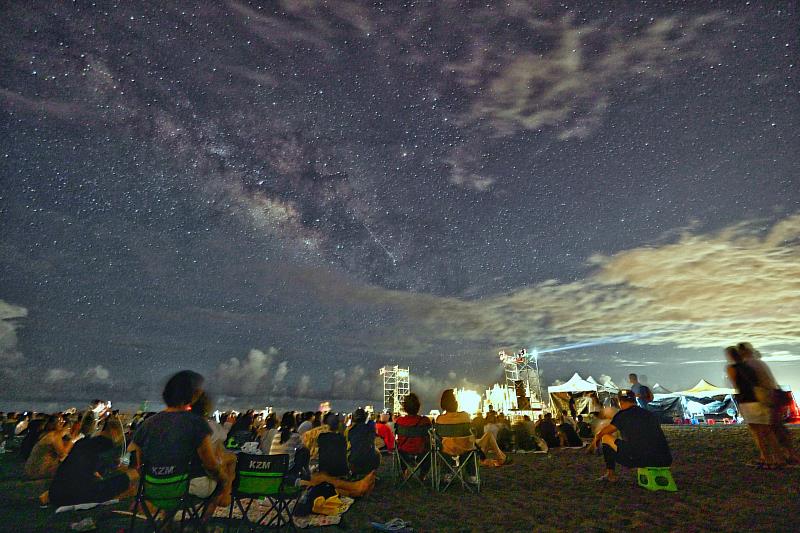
395 524
765 466
605 478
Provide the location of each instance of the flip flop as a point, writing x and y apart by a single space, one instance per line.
395 524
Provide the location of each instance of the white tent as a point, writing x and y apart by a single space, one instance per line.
609 386
587 394
574 384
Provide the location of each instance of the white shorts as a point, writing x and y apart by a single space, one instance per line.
202 487
755 413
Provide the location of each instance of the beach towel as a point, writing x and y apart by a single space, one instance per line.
259 507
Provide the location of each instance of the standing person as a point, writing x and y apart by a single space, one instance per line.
643 393
642 444
756 414
771 391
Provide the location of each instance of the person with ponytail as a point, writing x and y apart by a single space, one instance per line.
287 441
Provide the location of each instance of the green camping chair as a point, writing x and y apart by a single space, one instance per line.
263 476
166 489
413 467
455 468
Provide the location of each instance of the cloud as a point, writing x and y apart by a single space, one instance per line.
9 314
697 290
303 386
280 372
58 375
97 374
247 377
355 383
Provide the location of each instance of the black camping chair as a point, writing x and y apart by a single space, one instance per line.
455 467
413 466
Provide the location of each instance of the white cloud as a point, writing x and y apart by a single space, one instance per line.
57 375
9 354
246 377
280 372
97 374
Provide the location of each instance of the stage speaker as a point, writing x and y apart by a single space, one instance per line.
523 402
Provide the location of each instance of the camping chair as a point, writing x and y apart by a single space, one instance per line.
444 465
166 489
263 476
414 467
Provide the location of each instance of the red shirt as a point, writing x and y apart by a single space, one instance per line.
413 445
385 432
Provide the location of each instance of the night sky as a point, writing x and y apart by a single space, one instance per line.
286 196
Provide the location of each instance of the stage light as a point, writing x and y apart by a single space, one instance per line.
468 400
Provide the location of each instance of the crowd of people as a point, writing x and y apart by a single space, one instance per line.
93 457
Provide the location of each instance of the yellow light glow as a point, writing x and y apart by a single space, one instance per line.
468 400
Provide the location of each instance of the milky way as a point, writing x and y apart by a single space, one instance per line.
304 192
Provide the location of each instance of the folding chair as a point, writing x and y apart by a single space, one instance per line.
444 465
166 489
400 464
263 476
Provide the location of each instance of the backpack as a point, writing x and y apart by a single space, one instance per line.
647 394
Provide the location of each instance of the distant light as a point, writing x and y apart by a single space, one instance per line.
468 400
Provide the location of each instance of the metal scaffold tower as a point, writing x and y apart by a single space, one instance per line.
395 387
522 369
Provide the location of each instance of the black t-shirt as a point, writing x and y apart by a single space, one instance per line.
87 456
547 431
641 431
569 432
171 439
332 454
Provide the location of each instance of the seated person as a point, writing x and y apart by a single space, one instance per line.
584 429
288 441
306 422
642 444
332 448
410 448
384 431
456 446
92 472
311 437
546 430
178 439
51 447
240 432
478 424
362 456
567 436
268 433
491 425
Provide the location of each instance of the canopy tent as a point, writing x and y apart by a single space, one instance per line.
704 400
660 389
589 396
609 386
704 389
